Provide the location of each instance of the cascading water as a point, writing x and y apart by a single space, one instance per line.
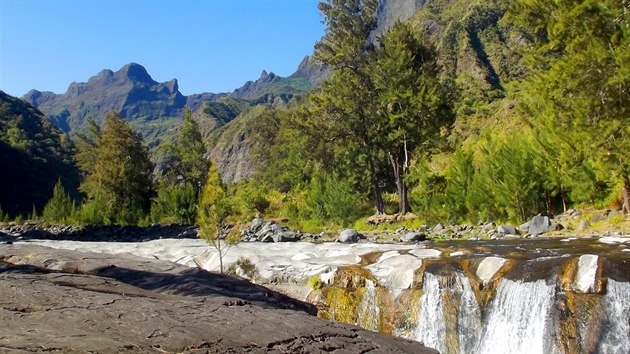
615 336
369 310
448 298
518 319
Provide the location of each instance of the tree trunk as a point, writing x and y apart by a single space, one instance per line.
401 187
626 192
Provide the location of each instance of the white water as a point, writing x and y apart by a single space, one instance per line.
615 337
518 319
432 328
369 312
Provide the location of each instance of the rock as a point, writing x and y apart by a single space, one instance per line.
426 253
438 228
286 236
413 237
348 236
584 224
525 227
539 225
586 276
107 303
395 271
488 268
507 230
256 224
489 226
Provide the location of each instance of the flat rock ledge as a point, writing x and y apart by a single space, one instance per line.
66 301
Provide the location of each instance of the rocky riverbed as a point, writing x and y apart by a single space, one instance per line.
71 301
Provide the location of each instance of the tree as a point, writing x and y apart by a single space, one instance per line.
214 208
340 108
118 172
580 81
410 104
60 207
189 164
175 204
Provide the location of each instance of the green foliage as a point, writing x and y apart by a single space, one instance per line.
34 155
118 181
174 204
213 211
61 208
315 282
333 199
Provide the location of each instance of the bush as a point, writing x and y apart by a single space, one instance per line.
175 204
331 198
246 267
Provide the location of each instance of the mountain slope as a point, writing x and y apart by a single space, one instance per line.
33 156
130 91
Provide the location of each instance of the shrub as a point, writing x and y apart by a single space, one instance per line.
246 266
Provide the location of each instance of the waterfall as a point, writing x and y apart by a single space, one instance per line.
369 310
518 319
615 332
447 298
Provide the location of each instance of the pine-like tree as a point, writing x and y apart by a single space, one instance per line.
118 172
409 104
214 208
60 207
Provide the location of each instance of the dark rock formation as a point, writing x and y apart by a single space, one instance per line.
55 300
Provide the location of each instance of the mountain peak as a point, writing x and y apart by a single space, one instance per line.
135 72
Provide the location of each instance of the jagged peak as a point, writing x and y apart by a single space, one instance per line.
263 76
135 72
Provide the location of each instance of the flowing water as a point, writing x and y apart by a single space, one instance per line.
518 319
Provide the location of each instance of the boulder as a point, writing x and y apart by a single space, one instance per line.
525 227
413 237
438 228
286 236
256 224
507 230
489 226
584 224
348 236
539 225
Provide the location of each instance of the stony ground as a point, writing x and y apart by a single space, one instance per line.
68 301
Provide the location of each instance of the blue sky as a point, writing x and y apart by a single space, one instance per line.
208 45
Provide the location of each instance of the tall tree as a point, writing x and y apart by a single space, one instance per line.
191 166
410 105
119 179
341 106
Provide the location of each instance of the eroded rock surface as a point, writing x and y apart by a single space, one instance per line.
69 301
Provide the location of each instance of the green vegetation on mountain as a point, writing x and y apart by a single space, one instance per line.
34 155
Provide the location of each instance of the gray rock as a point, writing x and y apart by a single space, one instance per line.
507 230
115 293
286 236
584 224
438 228
525 227
413 237
348 236
489 226
539 225
256 224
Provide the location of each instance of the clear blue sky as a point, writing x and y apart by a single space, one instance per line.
208 45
